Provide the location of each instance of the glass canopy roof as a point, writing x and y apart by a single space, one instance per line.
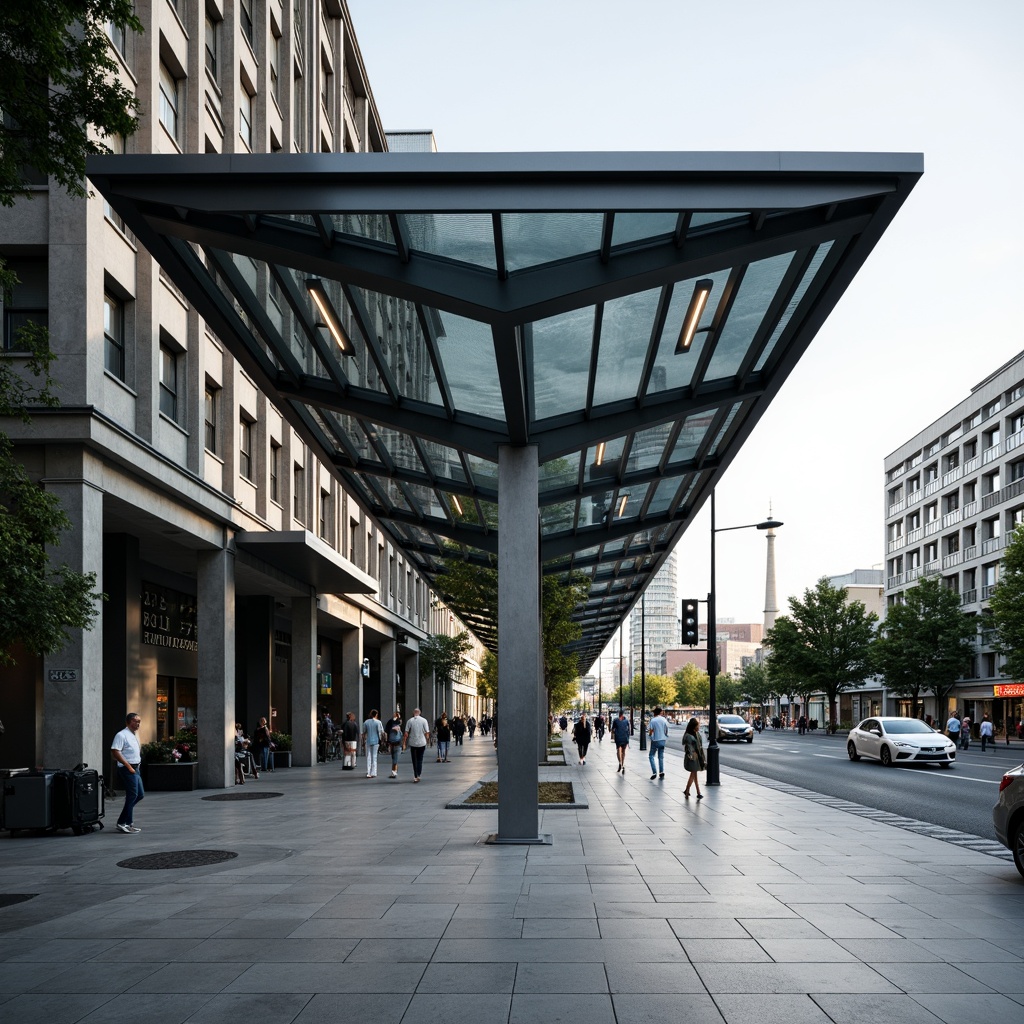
630 314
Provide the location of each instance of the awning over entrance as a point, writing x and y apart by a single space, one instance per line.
303 556
630 314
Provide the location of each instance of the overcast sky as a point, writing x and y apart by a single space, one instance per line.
938 304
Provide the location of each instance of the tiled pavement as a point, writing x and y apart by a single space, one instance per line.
367 899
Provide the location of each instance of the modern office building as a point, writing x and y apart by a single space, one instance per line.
241 578
953 493
655 625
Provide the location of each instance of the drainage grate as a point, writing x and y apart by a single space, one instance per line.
177 859
259 795
9 899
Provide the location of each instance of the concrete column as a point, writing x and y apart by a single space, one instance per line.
303 710
519 628
255 659
215 594
388 677
73 696
413 686
351 672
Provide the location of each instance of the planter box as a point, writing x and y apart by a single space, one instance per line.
171 777
280 759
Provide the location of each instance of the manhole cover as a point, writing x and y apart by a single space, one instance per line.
176 859
259 795
8 899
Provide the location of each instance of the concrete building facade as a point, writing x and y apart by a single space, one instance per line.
241 579
953 493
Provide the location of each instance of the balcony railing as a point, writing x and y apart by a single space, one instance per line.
990 545
952 476
932 486
894 545
998 497
915 535
912 574
970 552
1015 440
914 496
952 518
894 581
986 591
970 509
972 464
932 527
953 558
930 567
897 507
990 454
895 474
969 596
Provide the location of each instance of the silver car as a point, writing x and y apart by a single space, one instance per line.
899 741
733 727
1008 814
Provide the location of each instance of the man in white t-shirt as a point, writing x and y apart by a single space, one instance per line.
417 734
986 732
127 754
657 729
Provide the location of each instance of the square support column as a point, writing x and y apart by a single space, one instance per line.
304 647
388 679
352 674
519 638
215 594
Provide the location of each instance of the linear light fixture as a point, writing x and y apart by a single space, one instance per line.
699 299
599 457
328 316
456 503
622 505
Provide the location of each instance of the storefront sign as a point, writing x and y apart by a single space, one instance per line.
62 675
1008 690
168 618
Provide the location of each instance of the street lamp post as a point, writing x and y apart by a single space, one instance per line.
713 778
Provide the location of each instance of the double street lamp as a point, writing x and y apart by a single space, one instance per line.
713 750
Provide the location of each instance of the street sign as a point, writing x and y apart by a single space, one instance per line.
63 675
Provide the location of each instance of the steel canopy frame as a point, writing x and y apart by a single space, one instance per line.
523 299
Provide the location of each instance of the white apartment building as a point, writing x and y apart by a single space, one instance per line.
953 493
241 579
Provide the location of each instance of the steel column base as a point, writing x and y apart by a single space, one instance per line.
544 839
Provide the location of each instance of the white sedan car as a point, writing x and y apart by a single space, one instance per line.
899 741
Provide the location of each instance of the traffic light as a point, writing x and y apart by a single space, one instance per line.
690 623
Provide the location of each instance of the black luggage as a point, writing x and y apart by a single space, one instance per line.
27 800
78 802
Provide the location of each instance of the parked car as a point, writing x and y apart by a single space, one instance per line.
732 727
900 741
1008 814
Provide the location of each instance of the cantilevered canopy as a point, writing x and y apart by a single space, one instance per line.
631 314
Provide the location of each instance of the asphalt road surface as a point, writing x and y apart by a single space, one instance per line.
960 797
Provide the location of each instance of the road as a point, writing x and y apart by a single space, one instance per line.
960 797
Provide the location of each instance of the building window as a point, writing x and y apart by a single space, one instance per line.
117 36
325 514
212 32
212 401
27 302
169 99
275 471
245 19
298 489
275 63
245 448
245 116
326 80
113 335
352 525
169 404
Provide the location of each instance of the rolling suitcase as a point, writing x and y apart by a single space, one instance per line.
27 800
78 802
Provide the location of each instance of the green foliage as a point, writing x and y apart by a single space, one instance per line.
755 686
660 690
926 643
1007 607
693 687
157 752
727 691
442 655
281 740
487 680
60 88
823 644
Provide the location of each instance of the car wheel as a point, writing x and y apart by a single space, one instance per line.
886 757
1017 843
750 739
851 749
945 764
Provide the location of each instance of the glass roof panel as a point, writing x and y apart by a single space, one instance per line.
648 447
467 354
703 218
561 472
444 462
532 239
666 491
356 435
625 332
561 362
485 472
672 370
610 458
557 518
466 237
631 227
596 511
396 328
758 288
725 427
374 226
691 436
426 499
812 270
401 449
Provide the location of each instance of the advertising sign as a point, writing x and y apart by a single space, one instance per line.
1008 690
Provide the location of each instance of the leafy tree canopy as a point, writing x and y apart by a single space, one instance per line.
1007 607
442 655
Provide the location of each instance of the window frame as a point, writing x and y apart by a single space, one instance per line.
171 400
114 335
211 419
169 102
245 444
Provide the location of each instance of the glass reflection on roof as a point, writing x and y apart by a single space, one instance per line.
485 472
532 239
466 237
663 495
758 288
632 227
725 427
561 361
648 447
355 434
467 354
625 331
444 462
401 449
375 227
704 218
560 472
691 436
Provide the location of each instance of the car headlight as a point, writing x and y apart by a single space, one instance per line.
905 746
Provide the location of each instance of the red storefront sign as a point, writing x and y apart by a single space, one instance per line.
1008 690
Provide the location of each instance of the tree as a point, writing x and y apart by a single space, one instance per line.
560 596
61 91
659 690
755 686
60 99
926 643
442 655
825 643
727 691
487 680
1007 607
688 680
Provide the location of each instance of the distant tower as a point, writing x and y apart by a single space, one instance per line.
771 602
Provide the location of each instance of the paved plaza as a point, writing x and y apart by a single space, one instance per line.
366 899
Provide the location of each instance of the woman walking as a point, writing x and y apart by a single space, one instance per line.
693 756
444 735
373 733
581 734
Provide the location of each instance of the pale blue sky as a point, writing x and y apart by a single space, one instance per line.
938 304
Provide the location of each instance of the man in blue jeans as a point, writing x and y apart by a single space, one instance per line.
620 733
127 753
657 729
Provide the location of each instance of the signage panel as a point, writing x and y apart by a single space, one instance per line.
1008 690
